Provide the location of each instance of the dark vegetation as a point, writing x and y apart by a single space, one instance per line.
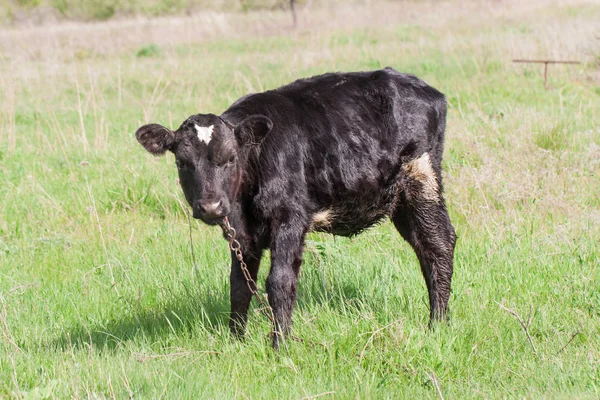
35 11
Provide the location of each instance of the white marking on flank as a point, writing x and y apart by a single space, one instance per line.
204 132
322 219
421 170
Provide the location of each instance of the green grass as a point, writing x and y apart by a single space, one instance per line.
99 296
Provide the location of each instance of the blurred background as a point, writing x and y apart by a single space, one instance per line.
39 11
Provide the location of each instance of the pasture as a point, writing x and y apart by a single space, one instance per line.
100 296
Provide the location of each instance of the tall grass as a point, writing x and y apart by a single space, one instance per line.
99 296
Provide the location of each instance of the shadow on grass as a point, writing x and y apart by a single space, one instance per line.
188 310
181 314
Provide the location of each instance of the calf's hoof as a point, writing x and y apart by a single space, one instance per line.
438 317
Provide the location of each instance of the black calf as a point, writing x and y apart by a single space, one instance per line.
333 153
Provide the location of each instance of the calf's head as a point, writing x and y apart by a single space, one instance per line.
211 155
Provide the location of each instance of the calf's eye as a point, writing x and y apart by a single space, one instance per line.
231 159
180 165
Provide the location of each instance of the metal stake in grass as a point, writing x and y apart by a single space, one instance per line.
546 62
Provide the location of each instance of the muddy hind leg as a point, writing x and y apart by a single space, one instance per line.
422 220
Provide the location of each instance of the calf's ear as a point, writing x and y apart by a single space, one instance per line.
253 129
155 138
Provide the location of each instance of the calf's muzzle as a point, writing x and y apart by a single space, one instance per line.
209 210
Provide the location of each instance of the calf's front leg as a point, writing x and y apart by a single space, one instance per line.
286 257
240 295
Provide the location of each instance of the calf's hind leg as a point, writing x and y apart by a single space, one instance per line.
422 220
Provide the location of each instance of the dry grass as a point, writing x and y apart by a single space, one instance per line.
72 40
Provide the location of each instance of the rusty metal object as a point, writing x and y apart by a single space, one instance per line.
545 62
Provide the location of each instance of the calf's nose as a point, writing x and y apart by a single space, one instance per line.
211 208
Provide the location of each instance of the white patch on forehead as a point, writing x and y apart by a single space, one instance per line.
421 170
204 132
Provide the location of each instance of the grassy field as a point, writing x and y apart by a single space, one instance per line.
100 298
